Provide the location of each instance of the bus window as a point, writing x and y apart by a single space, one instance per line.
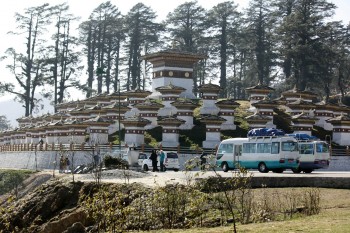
306 149
263 147
322 148
289 146
225 148
275 148
238 150
249 147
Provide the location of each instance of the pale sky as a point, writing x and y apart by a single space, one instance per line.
83 9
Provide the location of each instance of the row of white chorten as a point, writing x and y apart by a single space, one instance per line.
99 116
170 105
102 115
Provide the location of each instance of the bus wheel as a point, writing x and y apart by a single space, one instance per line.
262 168
225 167
296 170
308 170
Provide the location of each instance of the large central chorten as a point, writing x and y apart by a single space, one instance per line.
172 66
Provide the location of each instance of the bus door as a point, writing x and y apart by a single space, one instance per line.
237 155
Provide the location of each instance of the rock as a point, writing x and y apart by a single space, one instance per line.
77 227
65 222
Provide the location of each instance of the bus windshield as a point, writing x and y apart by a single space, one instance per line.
225 148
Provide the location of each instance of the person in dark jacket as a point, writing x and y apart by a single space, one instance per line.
203 158
154 157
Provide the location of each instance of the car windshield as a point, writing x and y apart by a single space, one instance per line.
142 156
172 155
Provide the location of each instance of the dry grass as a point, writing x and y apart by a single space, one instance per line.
334 217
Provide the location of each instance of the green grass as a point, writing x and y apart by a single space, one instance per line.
334 217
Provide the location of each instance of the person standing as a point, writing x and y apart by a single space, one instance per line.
161 159
203 158
153 157
61 164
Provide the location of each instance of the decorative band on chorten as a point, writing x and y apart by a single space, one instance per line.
134 131
299 128
172 74
257 97
227 113
185 113
212 129
135 101
341 130
59 134
77 133
148 114
168 98
209 97
326 114
114 117
98 130
170 131
266 113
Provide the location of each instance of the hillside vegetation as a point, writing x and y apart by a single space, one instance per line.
60 206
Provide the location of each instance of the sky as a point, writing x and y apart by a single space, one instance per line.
83 8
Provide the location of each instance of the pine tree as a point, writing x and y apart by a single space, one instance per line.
27 67
302 28
142 32
224 20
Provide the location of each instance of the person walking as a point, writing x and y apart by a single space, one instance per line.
153 157
161 159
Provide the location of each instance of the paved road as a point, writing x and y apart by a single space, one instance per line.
181 177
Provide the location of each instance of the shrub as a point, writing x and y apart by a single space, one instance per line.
115 162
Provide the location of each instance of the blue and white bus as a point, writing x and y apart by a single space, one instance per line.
263 153
314 154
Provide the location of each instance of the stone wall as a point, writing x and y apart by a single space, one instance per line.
46 160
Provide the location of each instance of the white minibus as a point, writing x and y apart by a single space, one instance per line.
313 155
267 153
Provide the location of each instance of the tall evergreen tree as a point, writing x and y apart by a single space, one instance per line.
188 26
260 21
4 123
101 36
63 62
343 61
142 32
27 67
224 19
303 28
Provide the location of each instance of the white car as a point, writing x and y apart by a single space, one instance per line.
171 161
